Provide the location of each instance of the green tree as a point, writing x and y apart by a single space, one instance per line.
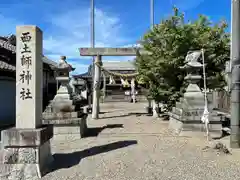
169 43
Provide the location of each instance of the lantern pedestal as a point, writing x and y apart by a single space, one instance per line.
66 117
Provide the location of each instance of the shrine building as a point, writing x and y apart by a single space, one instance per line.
112 87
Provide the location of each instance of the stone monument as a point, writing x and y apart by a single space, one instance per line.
186 115
62 111
26 147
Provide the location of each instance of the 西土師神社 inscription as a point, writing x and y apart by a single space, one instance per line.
26 75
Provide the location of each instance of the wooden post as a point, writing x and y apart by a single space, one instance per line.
133 92
104 86
96 89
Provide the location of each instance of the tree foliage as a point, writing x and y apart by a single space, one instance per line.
169 43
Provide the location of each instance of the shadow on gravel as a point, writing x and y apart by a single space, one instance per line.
221 137
71 159
124 115
92 132
104 112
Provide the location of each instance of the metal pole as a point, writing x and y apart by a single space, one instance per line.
235 91
152 13
92 43
231 52
92 25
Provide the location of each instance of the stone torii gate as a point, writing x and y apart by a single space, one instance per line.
98 53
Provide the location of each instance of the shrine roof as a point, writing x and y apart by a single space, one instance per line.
111 66
10 67
7 67
49 61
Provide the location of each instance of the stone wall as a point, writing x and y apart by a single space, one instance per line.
220 100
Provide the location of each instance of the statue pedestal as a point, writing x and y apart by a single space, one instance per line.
66 116
186 115
26 153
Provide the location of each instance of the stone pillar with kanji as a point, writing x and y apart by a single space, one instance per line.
26 147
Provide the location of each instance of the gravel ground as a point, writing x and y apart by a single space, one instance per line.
137 147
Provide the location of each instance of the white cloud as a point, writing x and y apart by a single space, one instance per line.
8 25
80 68
67 30
133 45
74 32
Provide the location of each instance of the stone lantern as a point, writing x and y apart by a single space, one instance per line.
63 70
187 113
62 112
193 94
62 102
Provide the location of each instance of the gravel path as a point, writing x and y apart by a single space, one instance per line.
123 145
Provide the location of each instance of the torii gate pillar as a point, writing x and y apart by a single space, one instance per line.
96 88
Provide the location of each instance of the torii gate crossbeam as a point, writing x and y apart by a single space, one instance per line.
99 52
110 51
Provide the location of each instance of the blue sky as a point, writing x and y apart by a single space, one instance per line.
119 23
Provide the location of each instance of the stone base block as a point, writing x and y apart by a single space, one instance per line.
183 128
19 172
65 130
62 100
26 153
69 126
61 115
68 133
27 163
26 137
